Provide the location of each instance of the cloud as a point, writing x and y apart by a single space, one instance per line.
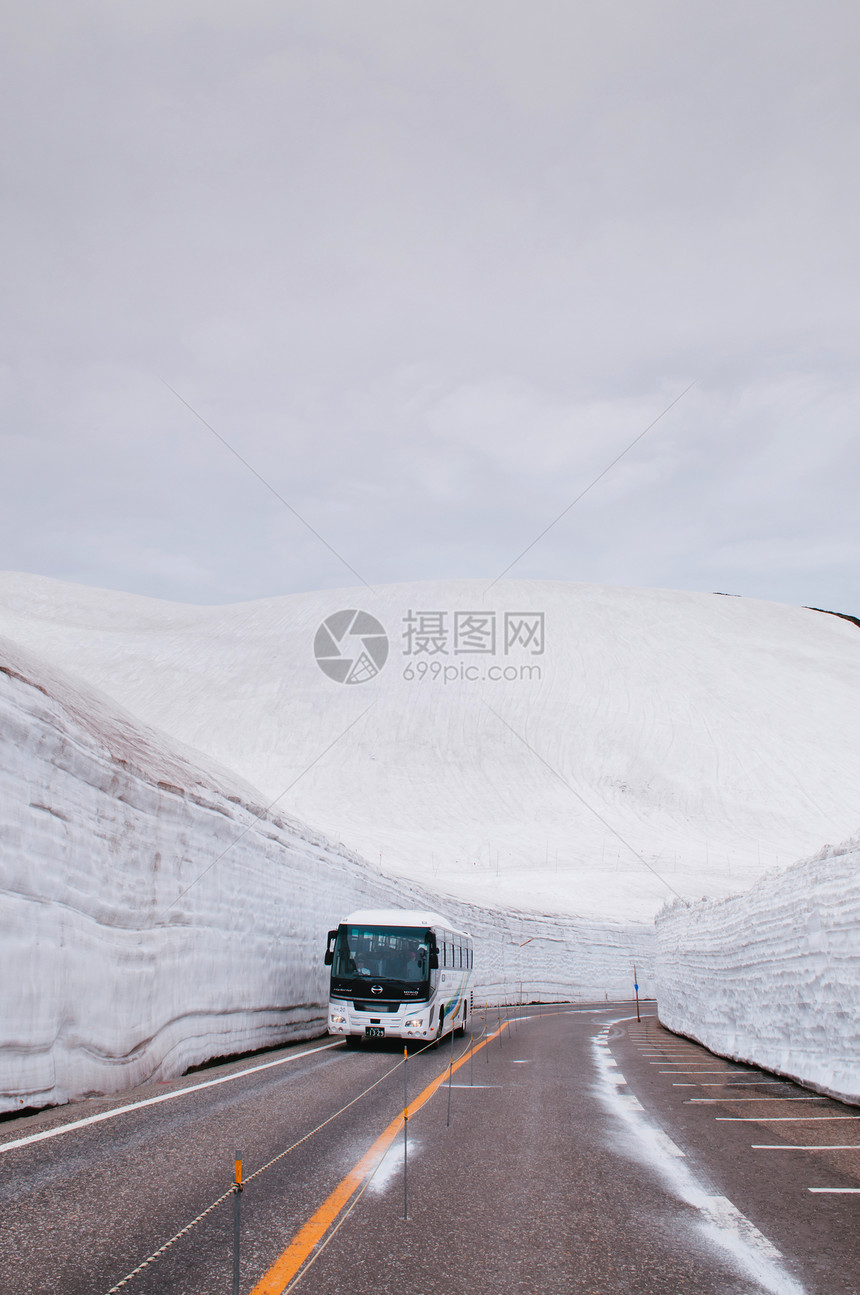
429 270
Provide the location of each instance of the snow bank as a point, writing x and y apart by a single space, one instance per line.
155 914
772 977
523 958
491 756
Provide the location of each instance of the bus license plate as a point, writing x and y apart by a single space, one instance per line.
374 1032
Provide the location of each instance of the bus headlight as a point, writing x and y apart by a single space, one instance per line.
336 1019
413 1023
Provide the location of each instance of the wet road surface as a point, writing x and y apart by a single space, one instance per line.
585 1152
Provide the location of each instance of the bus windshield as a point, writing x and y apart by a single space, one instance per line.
383 952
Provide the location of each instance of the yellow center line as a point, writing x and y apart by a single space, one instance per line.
290 1261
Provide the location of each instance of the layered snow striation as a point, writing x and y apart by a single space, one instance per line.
554 747
771 977
156 914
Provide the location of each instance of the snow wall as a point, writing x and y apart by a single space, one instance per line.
154 914
772 977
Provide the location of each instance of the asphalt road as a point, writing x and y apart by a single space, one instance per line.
575 1160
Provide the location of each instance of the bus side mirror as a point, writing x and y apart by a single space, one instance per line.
329 949
434 960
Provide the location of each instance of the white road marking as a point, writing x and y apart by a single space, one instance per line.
697 1072
156 1101
754 1083
723 1224
663 1140
782 1119
714 1101
837 1190
467 1086
725 1213
773 1146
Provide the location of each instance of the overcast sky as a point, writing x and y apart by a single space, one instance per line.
429 268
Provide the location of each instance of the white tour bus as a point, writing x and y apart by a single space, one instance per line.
398 974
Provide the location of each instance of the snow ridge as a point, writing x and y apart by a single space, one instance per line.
715 735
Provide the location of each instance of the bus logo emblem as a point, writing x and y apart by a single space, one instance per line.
376 989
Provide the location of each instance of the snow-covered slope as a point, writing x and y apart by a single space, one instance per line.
153 914
773 976
714 735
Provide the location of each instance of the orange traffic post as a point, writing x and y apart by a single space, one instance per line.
237 1197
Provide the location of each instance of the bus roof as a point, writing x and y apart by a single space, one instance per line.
400 917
